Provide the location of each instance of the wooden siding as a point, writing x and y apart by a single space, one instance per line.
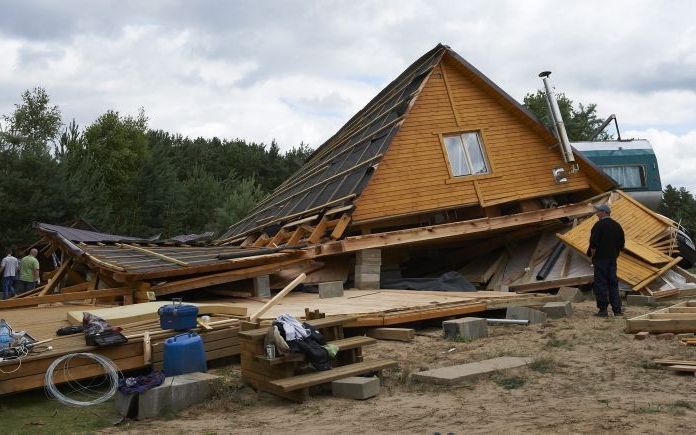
413 176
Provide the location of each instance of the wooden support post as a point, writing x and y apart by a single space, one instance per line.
147 349
141 291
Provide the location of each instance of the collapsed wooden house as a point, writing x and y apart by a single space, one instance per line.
441 171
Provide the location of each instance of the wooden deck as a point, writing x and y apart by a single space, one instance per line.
370 307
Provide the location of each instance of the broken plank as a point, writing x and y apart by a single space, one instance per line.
396 334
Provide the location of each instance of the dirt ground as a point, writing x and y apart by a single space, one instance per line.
588 376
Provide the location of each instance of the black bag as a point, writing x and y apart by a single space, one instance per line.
105 338
314 334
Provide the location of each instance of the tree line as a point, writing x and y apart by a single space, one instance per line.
125 178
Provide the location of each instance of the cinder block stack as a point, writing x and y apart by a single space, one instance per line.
368 263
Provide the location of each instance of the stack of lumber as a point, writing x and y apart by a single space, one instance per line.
651 245
679 318
144 348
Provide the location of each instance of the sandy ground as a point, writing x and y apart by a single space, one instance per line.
589 377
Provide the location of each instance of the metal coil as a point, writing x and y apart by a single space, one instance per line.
111 374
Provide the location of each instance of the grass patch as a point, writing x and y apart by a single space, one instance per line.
678 407
543 365
512 382
33 413
648 364
557 343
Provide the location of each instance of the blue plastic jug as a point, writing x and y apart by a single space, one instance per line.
184 353
5 336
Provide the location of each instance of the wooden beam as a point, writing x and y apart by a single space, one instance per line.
55 279
544 285
261 241
341 227
279 238
458 229
268 305
76 288
89 294
296 235
397 334
153 254
319 231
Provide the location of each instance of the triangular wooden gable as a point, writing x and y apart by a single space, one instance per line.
413 176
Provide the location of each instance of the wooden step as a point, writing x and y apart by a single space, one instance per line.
343 344
317 378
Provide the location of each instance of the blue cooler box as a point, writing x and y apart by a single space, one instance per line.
184 353
177 316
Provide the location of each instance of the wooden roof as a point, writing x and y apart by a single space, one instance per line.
338 171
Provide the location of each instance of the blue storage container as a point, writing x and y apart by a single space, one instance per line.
177 316
184 353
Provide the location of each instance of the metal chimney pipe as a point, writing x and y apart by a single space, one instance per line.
561 134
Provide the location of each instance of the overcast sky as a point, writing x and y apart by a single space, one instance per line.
297 70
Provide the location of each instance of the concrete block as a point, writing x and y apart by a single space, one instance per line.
570 294
467 327
355 388
556 310
367 281
456 374
332 289
640 300
175 393
641 335
123 403
526 313
262 286
368 256
367 269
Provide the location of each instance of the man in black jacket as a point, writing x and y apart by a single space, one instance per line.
606 242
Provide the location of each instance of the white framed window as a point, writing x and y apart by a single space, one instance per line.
466 154
629 176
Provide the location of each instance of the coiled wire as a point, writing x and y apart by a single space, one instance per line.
95 393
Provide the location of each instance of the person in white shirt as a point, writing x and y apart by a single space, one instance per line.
9 268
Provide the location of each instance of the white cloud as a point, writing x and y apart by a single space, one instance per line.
296 70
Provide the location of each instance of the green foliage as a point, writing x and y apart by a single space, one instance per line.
580 123
680 206
124 178
512 382
34 123
556 343
543 365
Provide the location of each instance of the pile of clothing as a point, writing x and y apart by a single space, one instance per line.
290 336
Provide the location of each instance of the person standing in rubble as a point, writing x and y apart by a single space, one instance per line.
28 272
9 268
606 242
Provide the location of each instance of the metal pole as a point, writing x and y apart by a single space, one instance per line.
508 321
561 133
